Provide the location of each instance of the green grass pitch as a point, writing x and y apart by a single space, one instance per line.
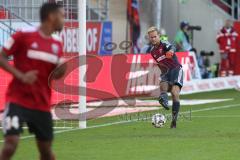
211 134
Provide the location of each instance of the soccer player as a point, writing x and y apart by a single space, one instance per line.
171 78
36 54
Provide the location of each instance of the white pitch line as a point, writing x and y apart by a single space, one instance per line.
134 120
217 116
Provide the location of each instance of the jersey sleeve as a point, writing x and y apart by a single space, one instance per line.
168 47
61 59
12 45
220 35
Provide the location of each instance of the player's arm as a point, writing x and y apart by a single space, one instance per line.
7 67
59 71
219 37
28 77
11 47
169 49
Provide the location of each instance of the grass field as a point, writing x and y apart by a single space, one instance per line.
213 133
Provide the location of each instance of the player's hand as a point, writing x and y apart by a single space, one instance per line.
169 54
29 77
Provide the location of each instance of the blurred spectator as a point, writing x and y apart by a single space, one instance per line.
182 38
163 36
227 39
206 68
147 47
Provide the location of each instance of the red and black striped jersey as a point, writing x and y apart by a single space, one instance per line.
159 55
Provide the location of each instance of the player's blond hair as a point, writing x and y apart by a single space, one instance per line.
153 29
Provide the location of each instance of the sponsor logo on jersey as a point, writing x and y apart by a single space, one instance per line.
161 58
34 45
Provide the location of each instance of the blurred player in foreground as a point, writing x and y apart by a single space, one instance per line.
171 72
36 55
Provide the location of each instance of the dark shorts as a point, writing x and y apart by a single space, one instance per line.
173 77
38 122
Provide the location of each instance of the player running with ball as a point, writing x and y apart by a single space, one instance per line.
171 79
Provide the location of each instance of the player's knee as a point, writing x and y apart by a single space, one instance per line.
175 95
175 98
46 154
9 149
163 87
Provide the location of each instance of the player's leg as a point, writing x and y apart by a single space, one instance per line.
9 147
12 127
45 150
232 59
40 123
223 65
177 81
164 87
176 104
163 98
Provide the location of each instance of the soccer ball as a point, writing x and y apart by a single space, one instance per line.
158 120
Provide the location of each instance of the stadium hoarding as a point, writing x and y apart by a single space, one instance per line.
213 84
98 34
124 75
